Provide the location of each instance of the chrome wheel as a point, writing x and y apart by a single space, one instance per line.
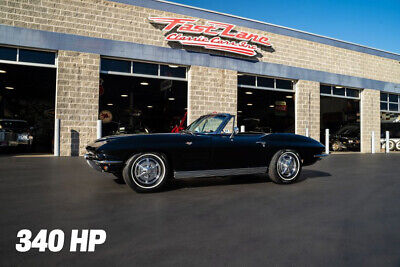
148 170
288 166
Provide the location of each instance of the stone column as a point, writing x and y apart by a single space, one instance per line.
211 90
307 108
370 119
77 100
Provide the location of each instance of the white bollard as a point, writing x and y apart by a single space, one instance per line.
327 141
57 125
99 128
242 128
387 142
373 142
307 133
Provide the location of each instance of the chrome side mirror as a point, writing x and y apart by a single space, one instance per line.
235 130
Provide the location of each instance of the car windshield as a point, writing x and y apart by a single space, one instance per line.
13 124
348 131
206 124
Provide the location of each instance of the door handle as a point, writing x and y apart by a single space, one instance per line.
189 143
261 143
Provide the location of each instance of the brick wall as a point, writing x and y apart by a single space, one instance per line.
110 20
307 106
77 100
370 119
211 90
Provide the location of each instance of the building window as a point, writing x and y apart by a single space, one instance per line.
27 56
267 83
339 91
134 68
390 102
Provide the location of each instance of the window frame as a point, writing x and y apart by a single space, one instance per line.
132 74
18 62
388 102
266 88
345 91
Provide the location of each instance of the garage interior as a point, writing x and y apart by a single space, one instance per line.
137 97
265 104
340 113
27 100
390 120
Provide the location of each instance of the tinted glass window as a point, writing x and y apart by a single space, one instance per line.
325 89
352 92
393 98
383 97
338 91
7 53
246 80
179 72
37 56
145 68
393 107
384 106
115 65
265 82
284 84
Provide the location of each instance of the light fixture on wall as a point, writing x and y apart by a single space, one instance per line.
173 66
149 106
124 95
271 106
144 83
249 104
239 111
3 71
110 104
249 93
171 98
9 88
339 87
289 96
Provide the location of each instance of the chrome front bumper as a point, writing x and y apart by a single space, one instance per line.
102 165
321 156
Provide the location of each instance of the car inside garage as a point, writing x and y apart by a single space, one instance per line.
141 97
265 104
27 100
390 121
340 113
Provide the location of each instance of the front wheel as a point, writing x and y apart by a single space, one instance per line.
146 172
285 167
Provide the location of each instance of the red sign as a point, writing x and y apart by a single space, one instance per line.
212 36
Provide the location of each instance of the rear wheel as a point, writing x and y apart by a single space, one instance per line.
285 167
146 172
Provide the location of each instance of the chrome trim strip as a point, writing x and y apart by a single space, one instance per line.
321 155
219 172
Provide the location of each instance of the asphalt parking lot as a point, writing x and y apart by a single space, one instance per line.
345 210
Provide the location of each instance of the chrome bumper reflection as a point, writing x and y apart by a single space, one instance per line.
99 164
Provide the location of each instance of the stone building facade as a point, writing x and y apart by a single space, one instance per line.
83 31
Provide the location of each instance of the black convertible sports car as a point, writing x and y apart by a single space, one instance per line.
210 146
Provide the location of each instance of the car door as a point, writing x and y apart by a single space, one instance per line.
193 152
238 151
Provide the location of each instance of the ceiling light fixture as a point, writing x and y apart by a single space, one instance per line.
3 71
271 106
171 98
144 83
239 111
9 88
339 87
110 104
149 106
173 66
124 95
289 96
249 93
249 104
